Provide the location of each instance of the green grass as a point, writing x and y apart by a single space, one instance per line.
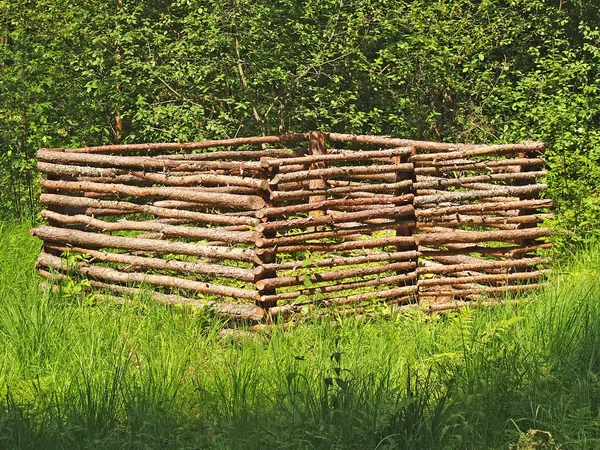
75 375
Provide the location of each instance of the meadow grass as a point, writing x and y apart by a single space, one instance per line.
81 374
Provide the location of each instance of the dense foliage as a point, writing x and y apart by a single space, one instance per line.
83 72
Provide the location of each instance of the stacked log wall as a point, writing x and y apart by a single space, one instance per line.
270 226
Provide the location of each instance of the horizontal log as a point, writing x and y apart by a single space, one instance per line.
333 275
332 203
486 290
235 237
95 240
422 159
363 188
177 146
104 273
128 207
446 182
425 145
340 261
233 311
143 162
207 198
438 167
459 236
354 156
482 265
397 280
332 234
482 207
404 241
474 195
462 220
185 267
496 278
238 155
381 211
340 171
507 252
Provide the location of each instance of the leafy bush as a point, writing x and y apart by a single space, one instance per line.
88 72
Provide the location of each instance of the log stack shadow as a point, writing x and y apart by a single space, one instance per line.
265 227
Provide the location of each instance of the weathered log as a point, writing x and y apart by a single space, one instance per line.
238 154
105 273
333 234
186 267
382 211
95 240
334 275
344 246
438 167
470 153
482 207
341 261
370 189
378 281
483 290
446 182
340 171
509 252
236 237
258 140
341 203
425 145
354 156
474 195
492 221
495 278
207 198
128 207
482 265
460 236
143 162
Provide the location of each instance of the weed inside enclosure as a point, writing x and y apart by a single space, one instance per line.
269 226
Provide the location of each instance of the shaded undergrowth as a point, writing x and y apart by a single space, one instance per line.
139 375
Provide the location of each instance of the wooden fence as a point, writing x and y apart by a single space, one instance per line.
269 226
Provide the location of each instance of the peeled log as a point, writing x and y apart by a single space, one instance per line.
185 267
255 140
340 171
128 207
445 182
333 275
208 198
473 195
382 211
459 236
354 156
408 278
143 162
237 237
105 273
483 207
95 240
497 278
326 204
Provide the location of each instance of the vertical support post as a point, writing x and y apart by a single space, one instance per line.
317 147
410 229
266 255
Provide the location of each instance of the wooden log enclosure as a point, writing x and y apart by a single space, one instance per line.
264 227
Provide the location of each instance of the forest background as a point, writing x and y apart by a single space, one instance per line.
89 72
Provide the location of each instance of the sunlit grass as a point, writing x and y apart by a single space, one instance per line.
75 374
